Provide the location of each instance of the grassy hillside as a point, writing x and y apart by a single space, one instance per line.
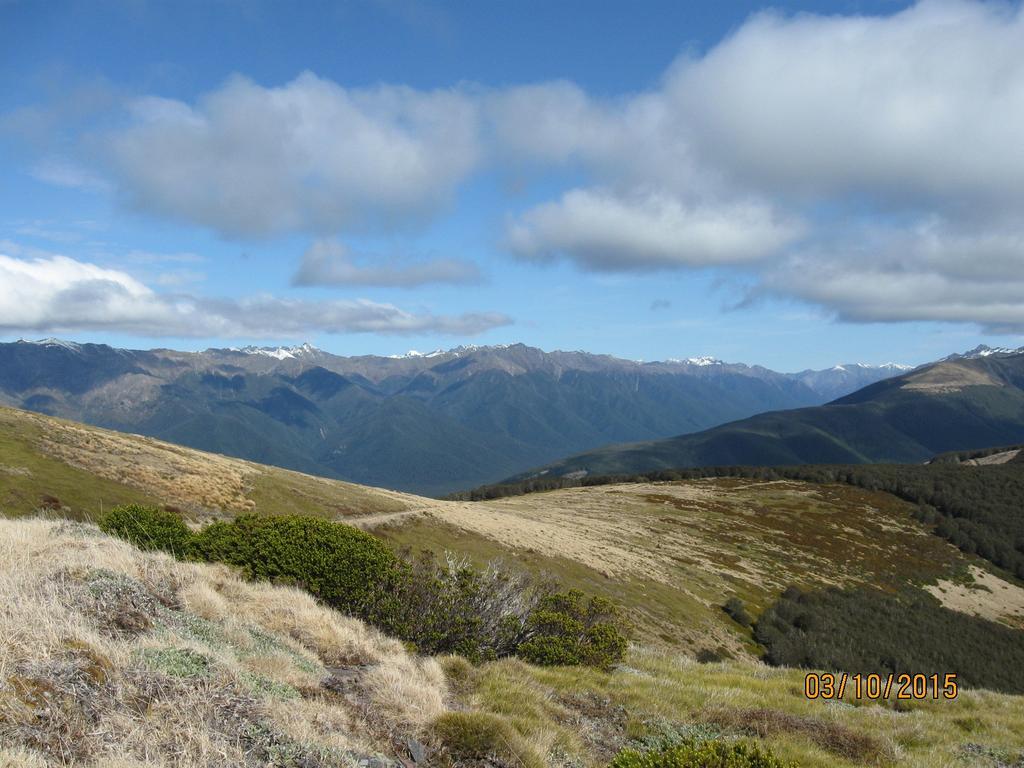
671 553
675 552
229 672
76 469
973 498
949 406
117 658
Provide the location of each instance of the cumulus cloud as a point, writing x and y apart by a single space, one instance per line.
57 293
929 272
779 150
603 231
249 161
911 117
329 262
923 105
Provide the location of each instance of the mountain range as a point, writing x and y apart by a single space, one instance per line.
429 423
964 401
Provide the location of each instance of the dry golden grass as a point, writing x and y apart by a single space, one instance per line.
110 656
985 595
763 534
672 553
205 485
950 376
114 657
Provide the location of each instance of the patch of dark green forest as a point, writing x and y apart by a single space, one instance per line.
868 631
979 509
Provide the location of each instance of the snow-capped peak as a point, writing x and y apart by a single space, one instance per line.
454 351
416 353
702 361
53 342
869 366
988 351
280 353
983 350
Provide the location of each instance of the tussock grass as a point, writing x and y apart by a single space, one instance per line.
75 469
112 656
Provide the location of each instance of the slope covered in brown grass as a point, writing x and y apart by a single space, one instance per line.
116 658
673 553
82 467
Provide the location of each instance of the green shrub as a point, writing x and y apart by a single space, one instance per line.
699 754
453 607
346 568
737 612
177 662
570 629
149 528
446 607
864 630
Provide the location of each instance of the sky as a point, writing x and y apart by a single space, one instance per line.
793 185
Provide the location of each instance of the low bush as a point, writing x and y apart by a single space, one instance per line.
571 629
737 612
439 607
149 528
452 607
699 754
348 569
827 734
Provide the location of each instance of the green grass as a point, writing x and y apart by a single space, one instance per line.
659 691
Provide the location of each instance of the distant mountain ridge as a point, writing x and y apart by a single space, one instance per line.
426 422
963 402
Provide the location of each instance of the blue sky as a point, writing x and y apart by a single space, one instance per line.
793 186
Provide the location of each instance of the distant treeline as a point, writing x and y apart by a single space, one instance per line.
867 631
979 509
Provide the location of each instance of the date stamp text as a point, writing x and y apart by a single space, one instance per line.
828 685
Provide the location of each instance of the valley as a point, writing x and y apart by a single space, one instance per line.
965 402
425 423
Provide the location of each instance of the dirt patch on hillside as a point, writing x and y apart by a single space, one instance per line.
988 596
996 458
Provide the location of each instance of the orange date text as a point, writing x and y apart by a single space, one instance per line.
839 685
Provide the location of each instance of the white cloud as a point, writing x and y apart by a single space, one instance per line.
603 231
929 272
787 143
65 173
328 262
57 293
307 156
894 139
924 105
